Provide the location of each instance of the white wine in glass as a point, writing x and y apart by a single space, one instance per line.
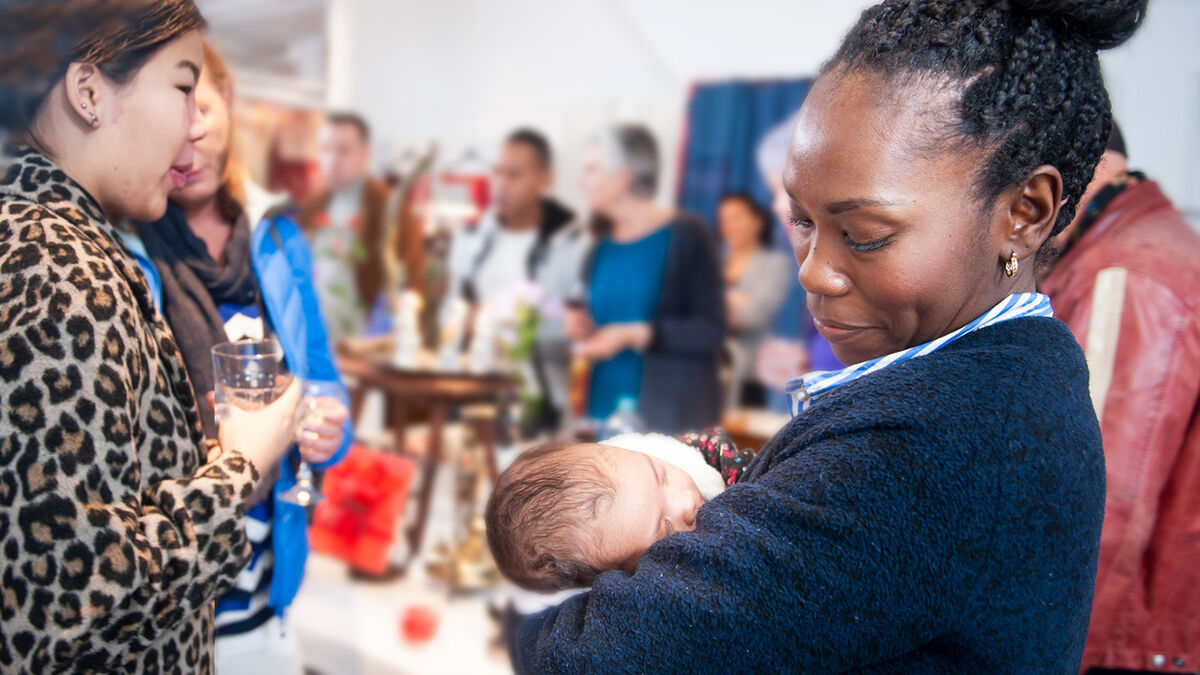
248 374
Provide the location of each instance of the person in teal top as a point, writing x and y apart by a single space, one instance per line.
618 296
653 324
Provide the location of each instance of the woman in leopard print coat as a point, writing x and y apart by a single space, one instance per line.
116 531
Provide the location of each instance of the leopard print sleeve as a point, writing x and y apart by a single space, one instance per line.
115 533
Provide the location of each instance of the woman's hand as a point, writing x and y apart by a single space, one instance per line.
610 340
577 323
780 361
319 439
264 434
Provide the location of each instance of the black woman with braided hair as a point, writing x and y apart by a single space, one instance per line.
936 506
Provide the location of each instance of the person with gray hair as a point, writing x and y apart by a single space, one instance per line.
653 320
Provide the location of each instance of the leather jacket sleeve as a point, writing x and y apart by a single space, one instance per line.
1144 357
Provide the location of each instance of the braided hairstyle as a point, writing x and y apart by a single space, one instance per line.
1028 72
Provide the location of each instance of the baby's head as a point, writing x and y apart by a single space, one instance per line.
563 513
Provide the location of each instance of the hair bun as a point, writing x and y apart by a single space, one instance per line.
1103 23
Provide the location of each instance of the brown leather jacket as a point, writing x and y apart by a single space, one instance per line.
1130 291
372 215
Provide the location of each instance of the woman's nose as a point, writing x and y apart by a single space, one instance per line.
818 271
196 129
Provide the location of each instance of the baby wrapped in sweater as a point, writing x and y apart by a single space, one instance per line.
565 512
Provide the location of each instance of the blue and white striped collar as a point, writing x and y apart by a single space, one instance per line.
805 389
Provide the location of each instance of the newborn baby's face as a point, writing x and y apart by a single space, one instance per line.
654 498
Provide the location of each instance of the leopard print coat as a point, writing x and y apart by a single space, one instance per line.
115 536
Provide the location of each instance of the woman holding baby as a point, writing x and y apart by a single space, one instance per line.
937 507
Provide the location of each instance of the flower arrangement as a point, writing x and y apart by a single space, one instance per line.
518 318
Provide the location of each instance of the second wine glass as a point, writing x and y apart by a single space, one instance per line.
318 397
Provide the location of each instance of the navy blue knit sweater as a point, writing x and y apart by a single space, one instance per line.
939 516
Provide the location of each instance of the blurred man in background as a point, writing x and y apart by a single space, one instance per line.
527 239
346 225
1128 285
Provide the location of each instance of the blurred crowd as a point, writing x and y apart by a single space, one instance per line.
654 306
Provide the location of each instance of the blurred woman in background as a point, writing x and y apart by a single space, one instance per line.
118 527
757 280
228 276
654 321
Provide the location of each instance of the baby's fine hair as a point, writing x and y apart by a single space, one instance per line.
537 516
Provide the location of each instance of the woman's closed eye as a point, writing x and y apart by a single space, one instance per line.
869 245
670 529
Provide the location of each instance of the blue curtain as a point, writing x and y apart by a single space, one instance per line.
725 123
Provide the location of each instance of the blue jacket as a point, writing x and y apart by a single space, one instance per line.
282 265
941 515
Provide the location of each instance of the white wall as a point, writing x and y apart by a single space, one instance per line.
1154 83
465 72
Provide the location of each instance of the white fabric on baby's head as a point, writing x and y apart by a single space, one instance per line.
675 451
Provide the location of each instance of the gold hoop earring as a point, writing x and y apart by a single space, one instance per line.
1011 267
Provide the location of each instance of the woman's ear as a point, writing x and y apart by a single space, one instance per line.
1032 211
85 93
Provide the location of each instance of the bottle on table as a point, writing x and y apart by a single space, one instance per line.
625 420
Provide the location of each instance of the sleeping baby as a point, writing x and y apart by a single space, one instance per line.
565 512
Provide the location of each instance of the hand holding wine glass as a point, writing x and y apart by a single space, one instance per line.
321 429
255 401
319 421
262 434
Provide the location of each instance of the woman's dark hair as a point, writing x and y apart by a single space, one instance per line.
39 39
1028 72
761 214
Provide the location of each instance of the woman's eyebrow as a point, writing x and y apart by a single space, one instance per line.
190 66
835 208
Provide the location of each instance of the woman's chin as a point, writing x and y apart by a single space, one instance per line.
150 210
192 193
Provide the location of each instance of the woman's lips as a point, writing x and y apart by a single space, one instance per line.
835 332
179 175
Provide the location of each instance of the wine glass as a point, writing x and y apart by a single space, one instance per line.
249 374
317 397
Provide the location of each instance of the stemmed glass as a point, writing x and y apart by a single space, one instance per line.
318 397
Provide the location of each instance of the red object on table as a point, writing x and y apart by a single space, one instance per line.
418 623
364 499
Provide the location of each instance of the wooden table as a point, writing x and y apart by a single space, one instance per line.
437 392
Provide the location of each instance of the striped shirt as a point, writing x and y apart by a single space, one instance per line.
805 389
244 607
